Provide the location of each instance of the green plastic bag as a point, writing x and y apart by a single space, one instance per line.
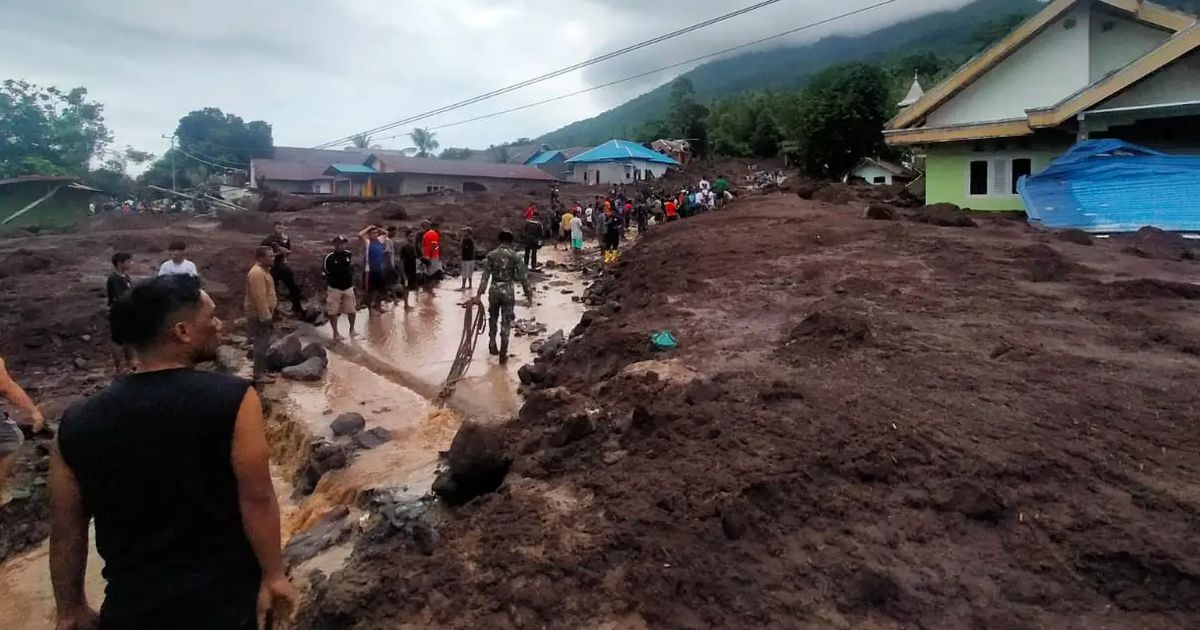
664 340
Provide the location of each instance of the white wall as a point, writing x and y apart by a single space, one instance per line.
627 172
1044 71
1117 40
1177 83
869 172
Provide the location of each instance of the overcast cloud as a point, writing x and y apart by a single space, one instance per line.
318 70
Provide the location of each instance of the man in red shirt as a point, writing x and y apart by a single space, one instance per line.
531 212
431 249
671 210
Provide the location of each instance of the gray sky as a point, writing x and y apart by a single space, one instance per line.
318 70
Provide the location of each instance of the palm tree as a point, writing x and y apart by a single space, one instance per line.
361 141
424 141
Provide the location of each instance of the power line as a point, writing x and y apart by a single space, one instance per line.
203 161
658 70
556 73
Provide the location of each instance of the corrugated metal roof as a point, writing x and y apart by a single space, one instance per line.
543 157
23 179
458 168
297 164
351 169
619 150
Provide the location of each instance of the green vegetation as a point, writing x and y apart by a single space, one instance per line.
424 142
46 131
453 153
209 141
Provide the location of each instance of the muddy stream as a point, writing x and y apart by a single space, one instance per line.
391 374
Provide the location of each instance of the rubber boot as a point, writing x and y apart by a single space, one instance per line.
492 347
504 352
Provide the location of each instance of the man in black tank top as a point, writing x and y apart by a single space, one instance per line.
173 465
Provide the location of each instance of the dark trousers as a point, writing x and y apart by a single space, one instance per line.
531 256
283 275
260 337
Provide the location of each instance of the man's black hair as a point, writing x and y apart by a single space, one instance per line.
121 257
506 236
177 245
142 316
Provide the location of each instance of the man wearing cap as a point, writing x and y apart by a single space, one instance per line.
339 276
503 267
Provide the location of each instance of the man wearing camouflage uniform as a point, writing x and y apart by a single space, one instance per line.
503 266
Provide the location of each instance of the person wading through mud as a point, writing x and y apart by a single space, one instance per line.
531 237
259 307
408 260
467 255
11 437
339 277
279 242
503 267
376 267
172 462
117 285
431 248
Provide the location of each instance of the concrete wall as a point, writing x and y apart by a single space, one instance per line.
1044 71
626 172
1177 83
869 172
948 170
1116 41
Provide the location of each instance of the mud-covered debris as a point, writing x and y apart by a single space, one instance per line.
348 424
553 344
373 438
323 456
532 373
943 214
1153 243
310 370
314 349
285 352
575 428
475 464
1045 264
1078 237
879 213
331 530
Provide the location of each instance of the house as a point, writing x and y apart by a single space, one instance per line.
554 161
376 172
618 162
42 201
1077 70
881 172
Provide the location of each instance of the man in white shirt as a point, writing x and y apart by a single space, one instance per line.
704 185
178 265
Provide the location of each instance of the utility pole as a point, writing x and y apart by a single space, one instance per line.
173 186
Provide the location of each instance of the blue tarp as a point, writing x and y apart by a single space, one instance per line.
1115 186
621 150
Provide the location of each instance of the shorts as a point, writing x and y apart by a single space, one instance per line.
468 268
564 235
340 302
577 243
11 437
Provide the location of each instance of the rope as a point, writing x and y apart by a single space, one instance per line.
474 323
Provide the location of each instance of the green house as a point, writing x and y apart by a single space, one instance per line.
1077 70
42 201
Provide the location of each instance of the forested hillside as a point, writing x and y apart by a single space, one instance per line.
950 37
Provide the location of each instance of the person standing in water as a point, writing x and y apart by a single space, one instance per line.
339 276
468 259
173 465
11 437
503 267
376 267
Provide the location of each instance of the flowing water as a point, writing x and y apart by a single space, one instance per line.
390 373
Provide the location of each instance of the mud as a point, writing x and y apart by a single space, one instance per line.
954 447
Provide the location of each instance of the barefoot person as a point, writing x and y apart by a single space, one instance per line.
11 437
260 309
172 463
339 276
503 267
376 257
468 259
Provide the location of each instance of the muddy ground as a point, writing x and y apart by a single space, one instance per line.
867 424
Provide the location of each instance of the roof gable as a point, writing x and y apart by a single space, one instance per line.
981 64
617 150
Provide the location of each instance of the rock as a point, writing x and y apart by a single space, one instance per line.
612 457
532 373
943 214
332 529
1078 237
80 363
476 464
806 190
311 370
348 424
576 428
735 520
285 353
1151 242
374 438
86 337
553 344
314 349
323 456
879 213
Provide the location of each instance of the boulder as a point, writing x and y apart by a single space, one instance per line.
945 215
553 344
310 370
531 374
348 424
1078 237
879 213
314 349
285 353
332 529
476 464
576 428
323 456
374 438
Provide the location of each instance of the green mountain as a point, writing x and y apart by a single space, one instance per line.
954 34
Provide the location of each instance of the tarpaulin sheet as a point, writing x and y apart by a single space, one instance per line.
1115 186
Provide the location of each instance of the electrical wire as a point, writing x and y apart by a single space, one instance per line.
657 70
556 73
203 161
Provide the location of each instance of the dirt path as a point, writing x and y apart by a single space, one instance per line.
868 424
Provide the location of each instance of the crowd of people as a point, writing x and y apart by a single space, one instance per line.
188 446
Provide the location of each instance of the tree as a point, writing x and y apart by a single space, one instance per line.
424 142
210 141
452 153
112 176
361 141
685 116
46 131
499 153
841 120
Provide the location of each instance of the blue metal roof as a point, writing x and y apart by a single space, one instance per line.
352 169
541 158
621 150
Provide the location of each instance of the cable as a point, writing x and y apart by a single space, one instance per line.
556 73
202 161
656 71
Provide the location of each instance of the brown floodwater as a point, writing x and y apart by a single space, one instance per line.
391 373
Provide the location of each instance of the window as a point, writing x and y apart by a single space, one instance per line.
430 189
979 178
1021 167
879 180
